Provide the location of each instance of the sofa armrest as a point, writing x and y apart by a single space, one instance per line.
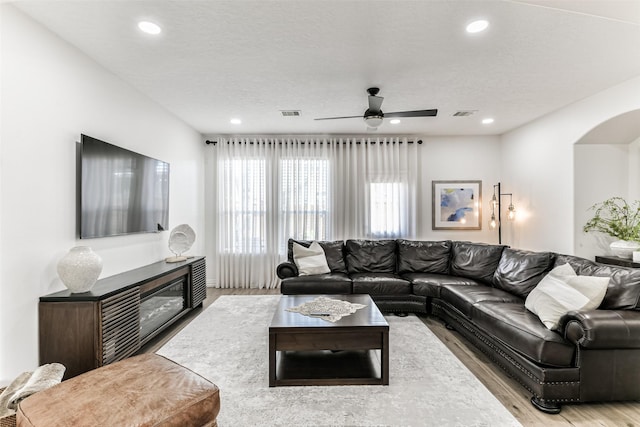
287 269
601 329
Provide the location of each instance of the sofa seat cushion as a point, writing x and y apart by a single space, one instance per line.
476 261
401 303
371 256
521 330
380 284
330 283
423 256
429 284
465 297
520 271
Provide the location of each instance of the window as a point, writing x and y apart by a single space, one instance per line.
244 207
387 209
267 190
304 193
247 224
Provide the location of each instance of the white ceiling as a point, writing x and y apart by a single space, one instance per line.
219 59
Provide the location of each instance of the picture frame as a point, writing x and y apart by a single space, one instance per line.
456 205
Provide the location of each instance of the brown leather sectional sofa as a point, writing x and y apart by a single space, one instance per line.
480 290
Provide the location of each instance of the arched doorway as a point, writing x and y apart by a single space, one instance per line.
606 164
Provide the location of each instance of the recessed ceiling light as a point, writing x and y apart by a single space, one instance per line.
235 121
394 121
149 27
477 26
487 121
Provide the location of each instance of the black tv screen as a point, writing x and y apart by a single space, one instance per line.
121 192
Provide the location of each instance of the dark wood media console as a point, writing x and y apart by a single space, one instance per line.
121 313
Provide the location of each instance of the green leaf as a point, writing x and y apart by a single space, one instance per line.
616 218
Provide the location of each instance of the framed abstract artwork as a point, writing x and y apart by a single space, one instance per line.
456 205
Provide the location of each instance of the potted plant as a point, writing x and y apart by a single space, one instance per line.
618 219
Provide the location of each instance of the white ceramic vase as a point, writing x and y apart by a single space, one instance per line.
79 269
624 248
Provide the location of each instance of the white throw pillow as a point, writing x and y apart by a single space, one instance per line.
561 291
311 260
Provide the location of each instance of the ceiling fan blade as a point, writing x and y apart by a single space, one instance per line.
375 102
334 118
418 113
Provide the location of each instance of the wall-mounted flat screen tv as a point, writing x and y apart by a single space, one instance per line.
121 192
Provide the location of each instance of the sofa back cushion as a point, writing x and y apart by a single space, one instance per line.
477 261
623 292
423 257
371 256
333 250
520 271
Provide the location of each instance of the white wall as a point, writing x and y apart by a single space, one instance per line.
634 170
51 93
537 162
593 186
458 158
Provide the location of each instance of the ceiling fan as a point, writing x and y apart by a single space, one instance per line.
373 115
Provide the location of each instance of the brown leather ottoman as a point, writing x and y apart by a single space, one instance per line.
145 390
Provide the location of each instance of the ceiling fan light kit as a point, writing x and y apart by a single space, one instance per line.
374 116
373 121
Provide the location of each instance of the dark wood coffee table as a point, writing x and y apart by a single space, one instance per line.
306 350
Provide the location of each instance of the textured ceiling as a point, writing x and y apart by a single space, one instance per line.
215 60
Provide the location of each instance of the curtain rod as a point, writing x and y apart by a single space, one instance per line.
419 141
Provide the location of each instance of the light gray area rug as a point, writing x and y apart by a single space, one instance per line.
429 386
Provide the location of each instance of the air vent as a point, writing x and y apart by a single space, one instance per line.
290 113
464 113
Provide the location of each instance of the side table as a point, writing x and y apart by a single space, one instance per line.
614 260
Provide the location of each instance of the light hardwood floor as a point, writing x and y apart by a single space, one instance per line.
511 394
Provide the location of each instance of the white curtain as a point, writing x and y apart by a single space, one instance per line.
268 190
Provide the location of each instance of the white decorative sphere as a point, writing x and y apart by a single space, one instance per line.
79 269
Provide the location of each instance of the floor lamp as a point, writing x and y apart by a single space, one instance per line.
496 204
